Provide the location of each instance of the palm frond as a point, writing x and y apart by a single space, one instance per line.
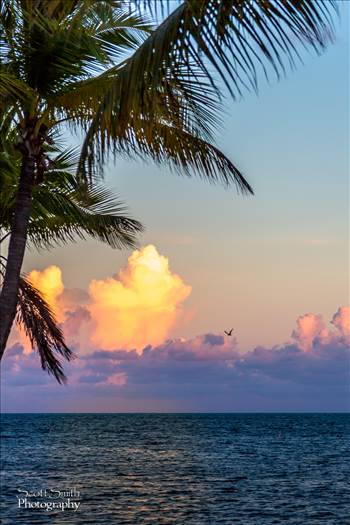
59 218
62 210
236 36
38 322
13 89
70 42
186 153
170 78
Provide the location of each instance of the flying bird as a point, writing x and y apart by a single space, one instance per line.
229 333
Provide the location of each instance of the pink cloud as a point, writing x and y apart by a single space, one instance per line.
117 379
309 327
203 373
207 347
341 320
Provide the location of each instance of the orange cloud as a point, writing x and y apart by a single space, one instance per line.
49 283
139 306
136 308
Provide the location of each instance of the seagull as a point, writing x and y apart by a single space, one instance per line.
229 333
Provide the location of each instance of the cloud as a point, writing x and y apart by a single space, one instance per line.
117 379
120 330
204 373
309 327
139 306
207 347
341 320
49 282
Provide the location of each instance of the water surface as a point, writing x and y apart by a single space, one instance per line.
183 469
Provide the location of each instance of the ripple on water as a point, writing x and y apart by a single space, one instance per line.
180 469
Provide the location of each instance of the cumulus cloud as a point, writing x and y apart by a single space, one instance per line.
341 320
207 347
204 373
309 327
140 305
49 282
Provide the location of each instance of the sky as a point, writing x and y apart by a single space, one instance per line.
147 325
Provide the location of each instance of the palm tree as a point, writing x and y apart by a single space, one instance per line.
60 213
99 67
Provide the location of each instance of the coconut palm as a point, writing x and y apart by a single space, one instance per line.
135 88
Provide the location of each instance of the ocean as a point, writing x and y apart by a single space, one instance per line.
183 469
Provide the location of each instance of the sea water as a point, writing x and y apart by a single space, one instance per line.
185 469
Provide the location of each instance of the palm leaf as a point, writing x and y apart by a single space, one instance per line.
235 36
183 151
58 218
13 88
62 210
38 322
170 79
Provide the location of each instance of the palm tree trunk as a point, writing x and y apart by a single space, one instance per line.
17 245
